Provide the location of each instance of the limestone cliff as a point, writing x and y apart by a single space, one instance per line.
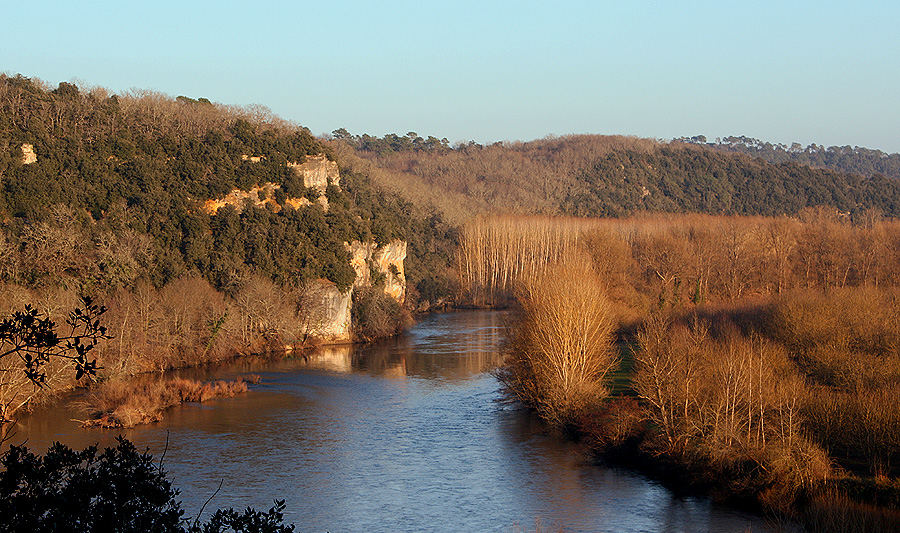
328 311
28 155
258 196
385 260
317 172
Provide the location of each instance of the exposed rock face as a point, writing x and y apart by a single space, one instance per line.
386 260
258 196
327 312
317 171
28 155
389 260
360 254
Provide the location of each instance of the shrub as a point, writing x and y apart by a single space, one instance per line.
561 346
730 407
375 314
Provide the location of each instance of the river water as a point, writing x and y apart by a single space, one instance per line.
405 435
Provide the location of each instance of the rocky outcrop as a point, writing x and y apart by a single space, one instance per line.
28 155
258 196
386 261
317 171
328 311
325 310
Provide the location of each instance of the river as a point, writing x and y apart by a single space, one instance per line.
405 435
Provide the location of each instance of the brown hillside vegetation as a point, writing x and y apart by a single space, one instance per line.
526 178
763 353
593 175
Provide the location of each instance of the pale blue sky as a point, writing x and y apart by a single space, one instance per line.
824 72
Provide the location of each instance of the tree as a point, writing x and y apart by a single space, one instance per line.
33 338
119 490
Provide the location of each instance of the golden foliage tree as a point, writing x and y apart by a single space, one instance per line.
561 348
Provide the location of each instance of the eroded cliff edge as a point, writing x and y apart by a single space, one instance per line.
325 311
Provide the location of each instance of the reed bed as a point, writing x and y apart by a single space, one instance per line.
125 404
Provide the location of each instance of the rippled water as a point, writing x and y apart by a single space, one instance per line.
405 435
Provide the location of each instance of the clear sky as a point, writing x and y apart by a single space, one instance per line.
820 72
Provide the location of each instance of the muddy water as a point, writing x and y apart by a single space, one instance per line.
406 435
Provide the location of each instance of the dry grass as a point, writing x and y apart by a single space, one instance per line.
122 403
834 513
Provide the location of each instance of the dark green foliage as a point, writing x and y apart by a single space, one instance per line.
136 166
66 490
118 490
249 521
151 162
857 160
392 143
686 179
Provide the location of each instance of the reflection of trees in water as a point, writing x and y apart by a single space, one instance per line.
338 358
451 346
455 346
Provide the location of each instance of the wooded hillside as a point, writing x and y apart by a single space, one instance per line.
115 191
838 158
588 175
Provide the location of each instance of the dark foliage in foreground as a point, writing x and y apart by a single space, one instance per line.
119 489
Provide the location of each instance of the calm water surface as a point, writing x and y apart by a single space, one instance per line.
406 435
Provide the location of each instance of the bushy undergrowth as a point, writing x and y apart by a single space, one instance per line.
560 347
376 315
730 408
848 344
766 360
184 323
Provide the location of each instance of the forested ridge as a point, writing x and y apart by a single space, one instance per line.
854 159
592 175
106 195
115 191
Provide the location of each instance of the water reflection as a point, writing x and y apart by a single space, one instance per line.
453 350
405 435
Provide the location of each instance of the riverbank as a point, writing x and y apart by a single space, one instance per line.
732 401
184 325
397 435
766 360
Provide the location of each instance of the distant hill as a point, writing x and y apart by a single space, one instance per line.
587 175
838 158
